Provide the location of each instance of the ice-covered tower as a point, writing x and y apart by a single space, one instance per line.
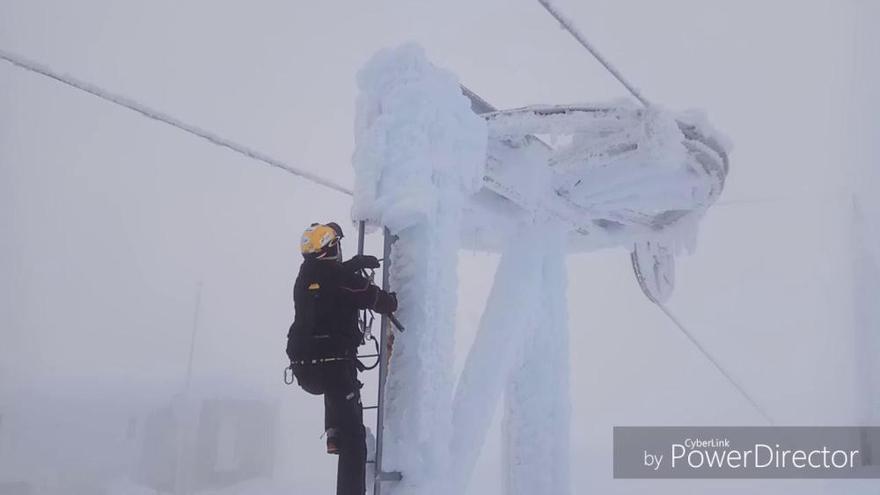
866 211
419 155
442 169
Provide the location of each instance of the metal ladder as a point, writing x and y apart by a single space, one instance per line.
385 329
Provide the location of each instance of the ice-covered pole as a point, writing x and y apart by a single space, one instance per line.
865 170
419 154
510 310
537 414
521 346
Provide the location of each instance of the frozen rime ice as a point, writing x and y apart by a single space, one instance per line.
521 344
536 424
440 177
416 140
420 152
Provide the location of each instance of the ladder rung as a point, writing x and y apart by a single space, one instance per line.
370 461
370 407
368 355
392 476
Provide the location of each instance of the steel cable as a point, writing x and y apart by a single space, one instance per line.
167 119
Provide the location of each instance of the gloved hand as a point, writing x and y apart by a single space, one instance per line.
386 303
361 261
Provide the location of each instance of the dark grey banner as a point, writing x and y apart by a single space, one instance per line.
746 452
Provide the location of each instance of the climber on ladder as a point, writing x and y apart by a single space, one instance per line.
323 341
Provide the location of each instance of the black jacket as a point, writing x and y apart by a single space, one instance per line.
327 296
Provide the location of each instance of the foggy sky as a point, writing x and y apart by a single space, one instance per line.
110 221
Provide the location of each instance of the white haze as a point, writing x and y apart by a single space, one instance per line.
111 221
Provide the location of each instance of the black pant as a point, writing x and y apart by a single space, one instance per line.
343 411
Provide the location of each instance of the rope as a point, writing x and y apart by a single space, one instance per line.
718 366
167 119
570 27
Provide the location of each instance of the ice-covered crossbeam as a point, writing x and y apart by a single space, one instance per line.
616 174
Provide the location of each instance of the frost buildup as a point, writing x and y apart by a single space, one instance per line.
419 154
521 348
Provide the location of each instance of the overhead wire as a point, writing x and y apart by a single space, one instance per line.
575 32
690 336
569 26
148 112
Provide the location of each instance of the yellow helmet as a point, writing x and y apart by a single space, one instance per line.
318 239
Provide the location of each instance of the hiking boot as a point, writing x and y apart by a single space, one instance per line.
332 446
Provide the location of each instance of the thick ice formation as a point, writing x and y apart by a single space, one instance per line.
624 175
537 408
420 152
510 311
416 140
436 174
521 346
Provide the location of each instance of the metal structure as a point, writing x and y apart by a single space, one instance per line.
385 329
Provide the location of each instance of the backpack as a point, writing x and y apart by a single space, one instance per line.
304 339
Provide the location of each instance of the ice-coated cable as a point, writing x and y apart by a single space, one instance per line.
715 363
167 119
570 27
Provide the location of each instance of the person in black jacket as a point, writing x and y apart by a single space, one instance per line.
323 341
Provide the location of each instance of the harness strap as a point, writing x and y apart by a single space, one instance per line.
357 363
321 361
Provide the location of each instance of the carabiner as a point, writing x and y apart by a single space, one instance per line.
288 375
